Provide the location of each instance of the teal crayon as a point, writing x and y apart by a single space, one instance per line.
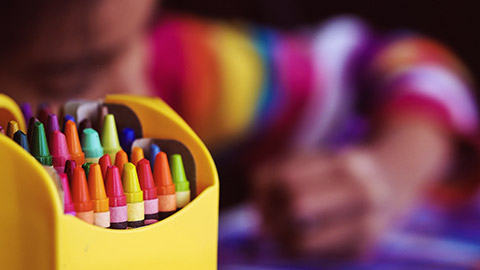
91 145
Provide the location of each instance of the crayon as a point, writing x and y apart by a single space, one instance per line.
154 150
86 168
73 143
68 207
22 140
65 119
110 142
31 124
39 146
84 124
150 197
69 166
81 198
102 112
52 124
43 111
127 137
135 205
12 127
167 198
137 155
99 197
120 160
91 145
104 162
182 186
26 111
117 199
59 150
2 131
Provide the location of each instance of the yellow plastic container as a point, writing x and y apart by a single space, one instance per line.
36 234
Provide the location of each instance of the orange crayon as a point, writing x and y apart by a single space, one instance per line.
120 159
99 197
73 143
81 197
167 199
137 155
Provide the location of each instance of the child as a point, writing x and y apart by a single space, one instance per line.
351 127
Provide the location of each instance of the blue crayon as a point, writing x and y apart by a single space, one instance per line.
127 136
65 119
154 150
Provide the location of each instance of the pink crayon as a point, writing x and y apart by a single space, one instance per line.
58 150
67 199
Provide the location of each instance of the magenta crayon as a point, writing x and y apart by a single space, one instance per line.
59 150
81 196
150 197
117 199
26 111
104 162
43 111
52 124
68 207
69 166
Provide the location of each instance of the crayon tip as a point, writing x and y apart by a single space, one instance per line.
110 142
86 168
178 173
67 117
97 189
91 145
104 162
120 159
22 140
127 137
73 142
162 175
80 193
26 111
69 166
137 155
31 124
52 124
154 150
39 146
2 131
67 200
145 177
12 127
114 187
59 150
131 186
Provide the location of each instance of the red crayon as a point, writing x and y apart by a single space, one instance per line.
117 199
150 197
69 208
69 166
104 162
81 196
58 150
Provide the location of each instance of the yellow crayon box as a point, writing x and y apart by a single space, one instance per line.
36 234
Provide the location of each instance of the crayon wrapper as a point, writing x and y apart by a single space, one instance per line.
118 214
102 219
151 206
183 198
135 211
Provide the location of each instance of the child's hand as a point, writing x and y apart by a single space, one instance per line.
326 205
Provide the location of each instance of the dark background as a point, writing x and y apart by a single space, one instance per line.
453 23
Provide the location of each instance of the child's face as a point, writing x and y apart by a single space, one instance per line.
83 49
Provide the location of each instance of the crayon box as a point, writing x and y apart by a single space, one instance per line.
36 234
